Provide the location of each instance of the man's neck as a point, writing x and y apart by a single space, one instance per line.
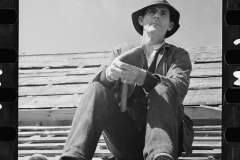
149 39
150 44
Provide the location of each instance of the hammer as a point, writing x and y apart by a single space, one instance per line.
133 57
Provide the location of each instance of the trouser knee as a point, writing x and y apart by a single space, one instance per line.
161 92
100 96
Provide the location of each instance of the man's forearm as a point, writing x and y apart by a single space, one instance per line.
150 82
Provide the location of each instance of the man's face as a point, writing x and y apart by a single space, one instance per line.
156 20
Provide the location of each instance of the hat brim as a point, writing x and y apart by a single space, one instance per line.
174 14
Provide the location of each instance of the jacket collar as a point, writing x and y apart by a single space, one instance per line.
161 52
166 45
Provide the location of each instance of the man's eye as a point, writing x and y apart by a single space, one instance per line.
151 11
164 13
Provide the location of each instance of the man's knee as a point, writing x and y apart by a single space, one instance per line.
161 92
96 88
94 92
97 93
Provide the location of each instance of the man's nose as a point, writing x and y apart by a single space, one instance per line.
157 15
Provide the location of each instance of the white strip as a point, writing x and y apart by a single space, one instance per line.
236 74
237 82
237 41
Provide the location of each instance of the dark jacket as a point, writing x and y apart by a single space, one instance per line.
173 68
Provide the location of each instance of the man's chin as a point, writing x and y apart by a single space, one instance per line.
152 30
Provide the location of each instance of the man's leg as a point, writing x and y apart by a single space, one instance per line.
98 111
89 120
124 137
163 124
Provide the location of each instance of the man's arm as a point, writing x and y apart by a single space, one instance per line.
177 78
102 76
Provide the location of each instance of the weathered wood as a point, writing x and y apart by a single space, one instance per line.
61 85
74 78
59 146
44 128
44 134
210 72
67 53
49 101
205 83
207 133
55 80
52 90
64 128
47 116
193 97
48 72
205 97
202 49
199 112
207 142
208 128
65 71
63 56
42 140
206 57
63 139
203 56
195 83
207 65
63 63
63 131
191 50
102 153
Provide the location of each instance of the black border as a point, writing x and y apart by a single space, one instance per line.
9 110
230 112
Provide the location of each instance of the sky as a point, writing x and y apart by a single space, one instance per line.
63 26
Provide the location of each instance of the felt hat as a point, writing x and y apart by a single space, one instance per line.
174 16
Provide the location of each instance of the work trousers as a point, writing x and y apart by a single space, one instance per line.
99 113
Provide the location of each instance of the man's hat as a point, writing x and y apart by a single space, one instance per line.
174 16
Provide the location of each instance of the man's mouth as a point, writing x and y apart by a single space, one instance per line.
156 24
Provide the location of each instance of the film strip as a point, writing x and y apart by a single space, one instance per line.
231 80
8 79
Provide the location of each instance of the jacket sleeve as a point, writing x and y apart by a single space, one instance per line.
178 75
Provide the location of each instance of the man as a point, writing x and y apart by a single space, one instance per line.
154 125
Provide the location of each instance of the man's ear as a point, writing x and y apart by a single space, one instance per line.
170 26
140 20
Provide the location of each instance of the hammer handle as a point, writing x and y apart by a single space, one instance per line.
124 97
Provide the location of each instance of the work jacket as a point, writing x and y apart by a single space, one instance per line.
173 68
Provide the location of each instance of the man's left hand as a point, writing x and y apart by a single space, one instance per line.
138 77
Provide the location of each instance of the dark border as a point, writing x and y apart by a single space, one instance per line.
9 79
230 112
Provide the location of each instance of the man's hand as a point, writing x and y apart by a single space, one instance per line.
128 73
138 77
118 69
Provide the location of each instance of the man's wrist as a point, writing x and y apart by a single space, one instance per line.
108 77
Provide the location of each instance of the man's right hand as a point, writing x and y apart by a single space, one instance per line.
118 69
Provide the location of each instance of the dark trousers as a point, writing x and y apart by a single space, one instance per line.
98 112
